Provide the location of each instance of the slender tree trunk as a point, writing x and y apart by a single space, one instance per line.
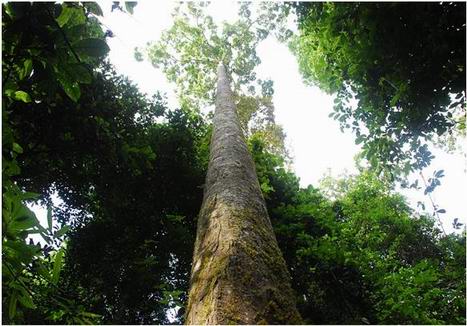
239 275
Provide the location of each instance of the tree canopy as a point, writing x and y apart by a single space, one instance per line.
397 69
190 51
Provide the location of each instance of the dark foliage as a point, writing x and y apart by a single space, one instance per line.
48 52
131 191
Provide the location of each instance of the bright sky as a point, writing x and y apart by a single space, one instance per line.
314 139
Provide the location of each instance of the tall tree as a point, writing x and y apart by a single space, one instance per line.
238 273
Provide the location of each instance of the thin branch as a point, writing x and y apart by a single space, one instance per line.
433 204
390 83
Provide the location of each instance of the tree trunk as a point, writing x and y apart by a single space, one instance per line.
238 274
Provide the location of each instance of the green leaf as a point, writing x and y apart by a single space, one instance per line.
266 188
395 99
130 5
92 47
79 73
90 314
27 69
94 8
29 195
24 219
26 300
17 148
359 140
71 15
22 96
43 271
49 218
62 231
175 218
12 305
58 264
65 16
21 250
70 86
9 92
72 90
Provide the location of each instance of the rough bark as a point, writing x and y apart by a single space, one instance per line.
239 275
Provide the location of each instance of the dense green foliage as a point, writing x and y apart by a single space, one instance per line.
363 257
129 185
48 51
94 148
397 69
130 172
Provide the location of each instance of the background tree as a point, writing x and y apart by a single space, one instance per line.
398 71
354 258
121 256
86 146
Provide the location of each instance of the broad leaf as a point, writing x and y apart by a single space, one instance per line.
80 73
94 8
17 148
62 231
26 300
25 219
130 5
27 69
12 305
70 86
22 96
71 16
58 264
